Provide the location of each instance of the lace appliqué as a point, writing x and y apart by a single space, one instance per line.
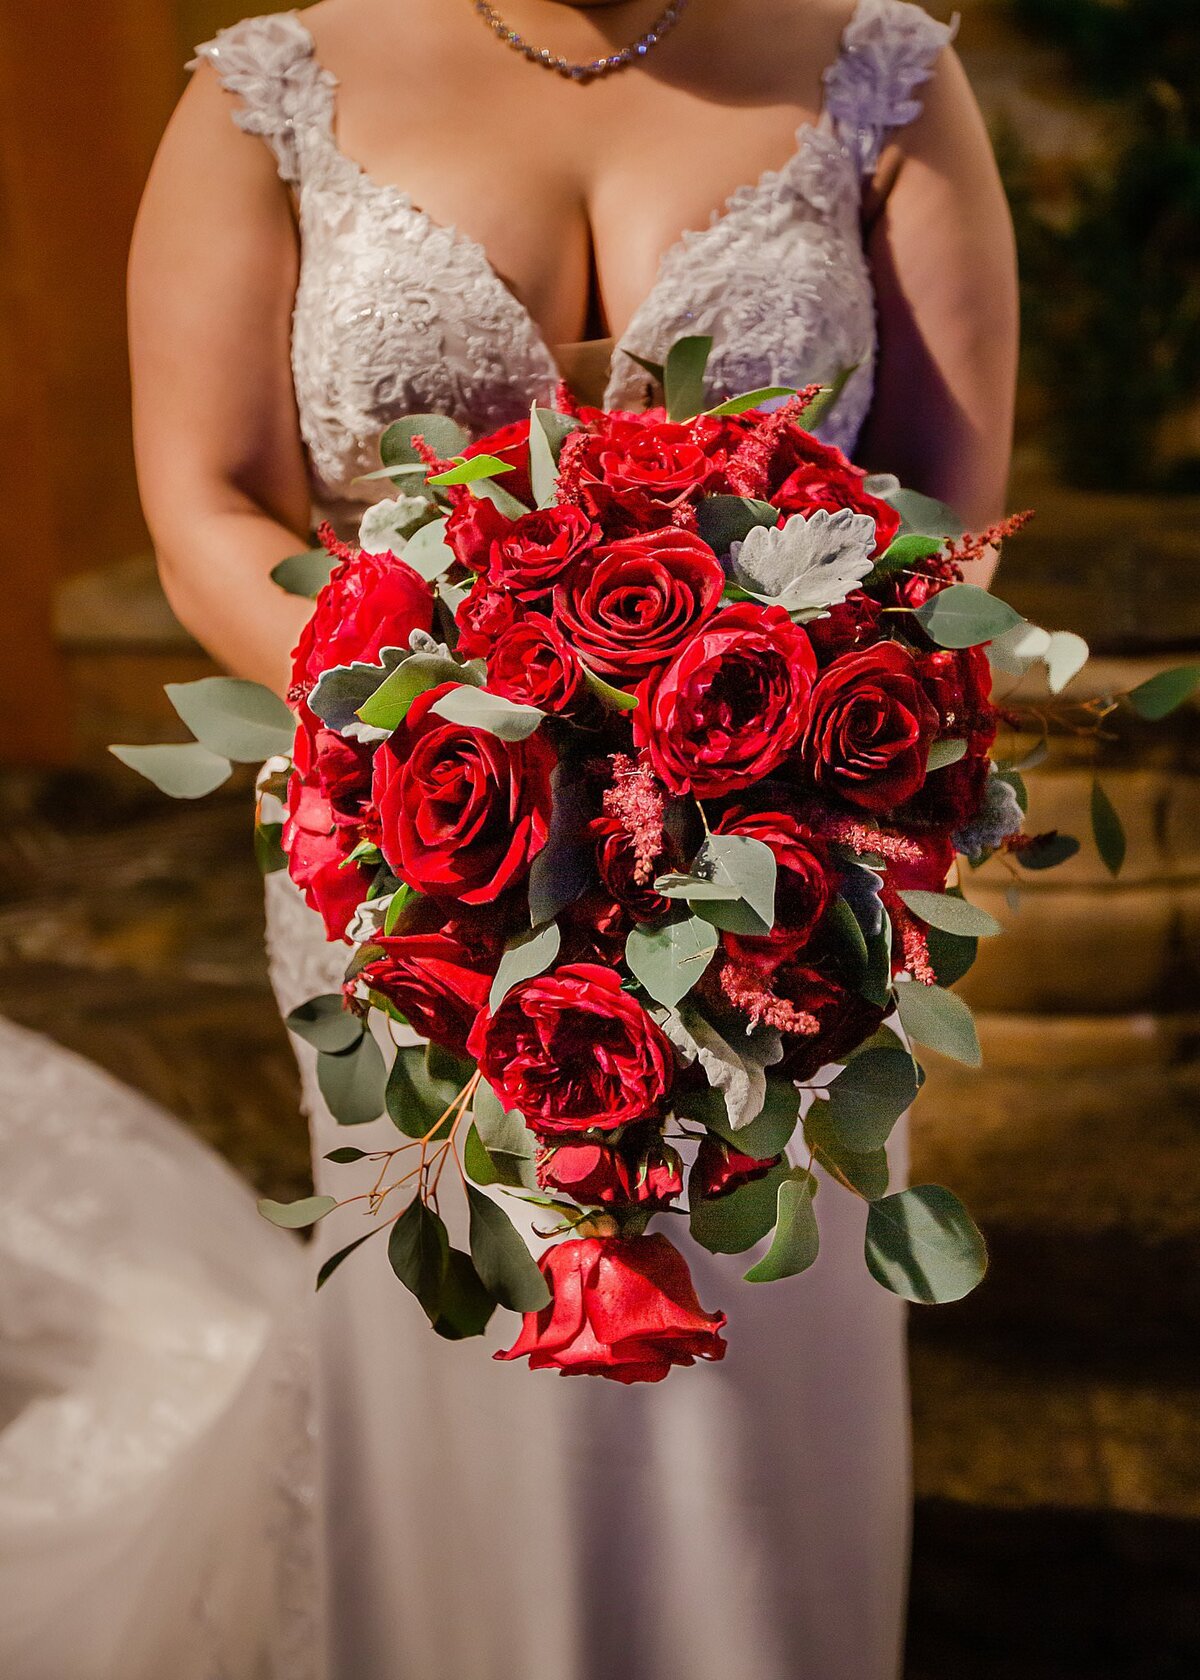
888 51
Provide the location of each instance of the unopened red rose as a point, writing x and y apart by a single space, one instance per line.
473 525
719 1169
574 1051
538 549
632 605
435 982
620 1307
852 623
532 663
462 813
617 866
371 602
958 681
869 728
639 1172
730 708
482 618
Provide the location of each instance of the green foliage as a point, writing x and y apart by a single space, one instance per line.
1163 693
443 435
297 1216
939 1019
965 616
325 1023
766 1136
304 574
239 720
1107 830
923 1244
525 958
683 376
475 708
733 1223
670 958
950 913
185 771
724 520
354 1082
419 1253
870 1094
505 1266
796 1240
415 1097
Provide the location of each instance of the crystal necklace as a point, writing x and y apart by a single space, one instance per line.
662 26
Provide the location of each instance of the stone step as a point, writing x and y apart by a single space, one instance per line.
1057 1518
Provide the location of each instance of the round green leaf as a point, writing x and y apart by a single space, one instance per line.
1159 695
297 1216
733 1223
326 1023
184 771
239 720
1048 853
1107 830
724 520
525 958
965 616
419 1252
796 1240
950 913
475 708
867 1173
354 1082
669 959
505 1266
944 752
444 436
935 1017
766 1136
869 1095
923 1244
415 1097
428 552
304 574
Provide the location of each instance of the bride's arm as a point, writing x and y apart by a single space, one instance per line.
941 250
220 462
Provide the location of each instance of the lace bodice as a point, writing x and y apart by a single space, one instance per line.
396 313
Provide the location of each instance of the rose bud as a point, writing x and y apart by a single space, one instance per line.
719 1169
637 1172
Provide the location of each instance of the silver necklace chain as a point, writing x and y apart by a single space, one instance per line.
592 68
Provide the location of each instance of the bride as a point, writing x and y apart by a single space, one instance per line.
387 206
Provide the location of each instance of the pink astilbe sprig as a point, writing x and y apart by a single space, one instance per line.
635 800
861 838
749 468
748 990
333 544
435 462
913 943
975 544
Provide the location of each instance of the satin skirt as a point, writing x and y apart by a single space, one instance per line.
483 1522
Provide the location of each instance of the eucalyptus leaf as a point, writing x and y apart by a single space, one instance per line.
750 400
419 1253
796 1241
415 1098
184 771
921 514
654 369
616 699
344 1157
428 552
724 520
670 958
1048 853
505 1266
683 376
732 1223
939 1019
465 1307
297 1216
819 407
239 720
1065 658
325 1023
843 927
869 1095
867 1173
737 1074
548 429
386 526
1107 830
471 468
767 1135
476 708
334 1261
445 437
903 552
1161 694
527 956
950 913
944 752
501 499
965 616
387 706
729 867
341 690
268 852
304 574
566 864
950 955
354 1082
922 1244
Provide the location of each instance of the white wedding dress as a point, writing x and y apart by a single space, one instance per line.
473 1521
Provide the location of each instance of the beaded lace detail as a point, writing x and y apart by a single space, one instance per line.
396 313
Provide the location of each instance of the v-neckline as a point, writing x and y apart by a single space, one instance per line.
816 130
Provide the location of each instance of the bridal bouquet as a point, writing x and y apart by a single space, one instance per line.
634 756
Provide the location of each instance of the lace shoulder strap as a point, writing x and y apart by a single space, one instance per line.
285 94
888 51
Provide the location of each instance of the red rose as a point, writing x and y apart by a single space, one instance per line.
473 525
732 705
631 607
462 813
786 465
620 1307
434 981
371 601
509 444
852 623
573 1051
532 663
804 887
846 1019
617 866
326 790
640 1172
482 618
869 728
719 1169
536 550
958 681
634 471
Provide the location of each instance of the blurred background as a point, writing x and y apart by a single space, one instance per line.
1056 1411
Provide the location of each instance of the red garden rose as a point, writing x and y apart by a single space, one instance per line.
509 444
869 728
538 548
639 1172
620 1307
719 1169
732 705
473 525
328 809
805 883
434 981
958 681
482 618
634 471
371 601
852 623
632 605
573 1051
617 866
533 664
788 466
462 814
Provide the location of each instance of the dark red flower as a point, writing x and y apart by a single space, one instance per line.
473 525
371 601
869 728
783 464
617 866
852 623
462 813
327 795
958 681
538 548
641 1171
633 472
532 663
805 884
482 618
435 982
632 605
620 1307
719 1169
845 1018
731 706
573 1051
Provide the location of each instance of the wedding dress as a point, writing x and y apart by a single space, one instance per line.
482 1523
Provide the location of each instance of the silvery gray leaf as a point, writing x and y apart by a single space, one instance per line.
998 816
809 563
739 1077
367 921
386 526
341 690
